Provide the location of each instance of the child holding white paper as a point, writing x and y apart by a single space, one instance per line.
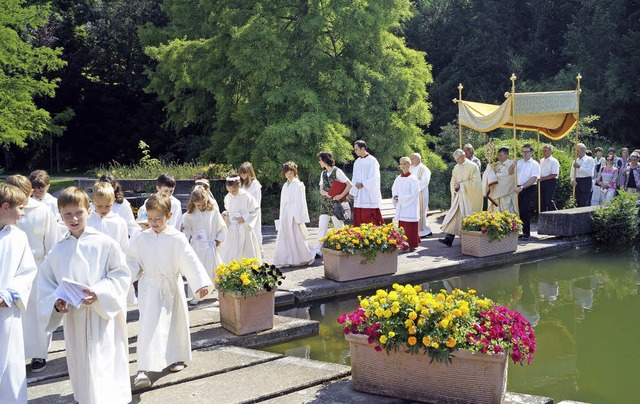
159 257
96 333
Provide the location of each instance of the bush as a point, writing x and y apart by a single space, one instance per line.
617 222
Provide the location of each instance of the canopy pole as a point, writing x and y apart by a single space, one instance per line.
575 170
539 204
459 123
515 144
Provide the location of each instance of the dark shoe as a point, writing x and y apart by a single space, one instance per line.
38 365
445 241
427 235
523 237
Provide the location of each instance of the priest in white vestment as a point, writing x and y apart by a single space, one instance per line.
16 277
366 187
95 333
406 199
466 196
292 248
423 174
498 184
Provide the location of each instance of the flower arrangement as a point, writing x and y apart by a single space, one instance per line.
440 323
247 277
366 239
497 225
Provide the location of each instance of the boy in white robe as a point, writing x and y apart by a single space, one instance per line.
205 229
292 248
40 182
241 215
17 271
95 333
159 257
165 185
366 187
406 199
41 228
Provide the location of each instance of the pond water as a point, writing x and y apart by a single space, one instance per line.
585 308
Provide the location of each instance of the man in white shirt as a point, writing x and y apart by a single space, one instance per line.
468 153
423 174
366 187
549 171
581 173
528 174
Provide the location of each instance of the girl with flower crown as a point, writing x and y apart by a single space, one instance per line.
241 216
205 229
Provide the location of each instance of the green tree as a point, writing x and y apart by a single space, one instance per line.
289 78
22 70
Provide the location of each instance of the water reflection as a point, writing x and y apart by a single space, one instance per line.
585 309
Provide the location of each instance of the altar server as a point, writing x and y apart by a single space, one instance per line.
103 219
292 248
366 187
423 174
17 271
241 216
95 333
41 227
159 257
406 199
121 206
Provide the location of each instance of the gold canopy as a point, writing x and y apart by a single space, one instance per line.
554 113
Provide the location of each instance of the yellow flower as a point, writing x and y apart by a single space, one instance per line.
450 342
457 312
392 334
338 246
393 295
412 330
413 315
435 345
364 303
383 339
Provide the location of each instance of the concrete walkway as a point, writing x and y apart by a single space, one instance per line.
224 370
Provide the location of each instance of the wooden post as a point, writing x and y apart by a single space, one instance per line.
515 143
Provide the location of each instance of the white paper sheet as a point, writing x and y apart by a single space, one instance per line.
71 292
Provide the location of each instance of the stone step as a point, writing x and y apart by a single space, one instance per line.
250 384
205 363
206 331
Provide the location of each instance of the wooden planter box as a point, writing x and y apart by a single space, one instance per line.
342 267
471 378
477 244
242 315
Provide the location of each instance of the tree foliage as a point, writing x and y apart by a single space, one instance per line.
22 69
289 78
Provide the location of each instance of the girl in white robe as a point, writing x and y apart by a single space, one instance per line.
95 333
205 229
251 184
159 257
121 206
292 248
41 227
16 277
241 215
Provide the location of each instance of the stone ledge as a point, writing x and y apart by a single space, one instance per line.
567 222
